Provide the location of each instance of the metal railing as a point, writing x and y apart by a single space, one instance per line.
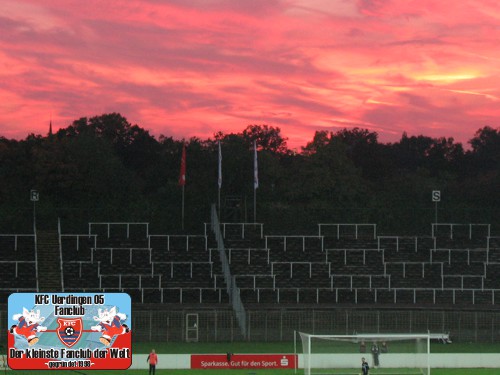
186 237
127 226
356 227
242 227
451 226
302 239
232 289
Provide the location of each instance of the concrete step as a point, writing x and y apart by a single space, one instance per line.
49 261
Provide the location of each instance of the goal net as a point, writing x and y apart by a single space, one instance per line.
385 354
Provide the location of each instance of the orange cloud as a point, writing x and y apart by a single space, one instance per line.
193 67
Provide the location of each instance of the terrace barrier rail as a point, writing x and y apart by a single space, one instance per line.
232 288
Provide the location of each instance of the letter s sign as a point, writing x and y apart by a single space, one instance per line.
436 195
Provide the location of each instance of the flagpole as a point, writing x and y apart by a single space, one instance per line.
182 221
182 181
255 181
254 205
219 179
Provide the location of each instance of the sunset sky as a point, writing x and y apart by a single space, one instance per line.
186 68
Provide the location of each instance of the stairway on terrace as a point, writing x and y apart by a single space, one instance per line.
48 261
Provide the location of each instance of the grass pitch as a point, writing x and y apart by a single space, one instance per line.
245 372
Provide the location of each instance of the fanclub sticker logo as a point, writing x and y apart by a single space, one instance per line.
69 331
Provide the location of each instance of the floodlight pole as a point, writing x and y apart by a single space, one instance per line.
254 205
436 212
34 216
436 198
34 197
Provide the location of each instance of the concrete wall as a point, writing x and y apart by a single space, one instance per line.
490 360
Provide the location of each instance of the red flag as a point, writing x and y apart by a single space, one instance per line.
182 174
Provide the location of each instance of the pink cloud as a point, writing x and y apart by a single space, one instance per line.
193 67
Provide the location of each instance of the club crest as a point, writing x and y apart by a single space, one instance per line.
69 330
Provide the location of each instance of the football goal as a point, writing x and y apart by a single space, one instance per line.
385 354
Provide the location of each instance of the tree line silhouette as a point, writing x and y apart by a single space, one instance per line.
105 169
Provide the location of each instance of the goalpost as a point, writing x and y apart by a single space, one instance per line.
385 353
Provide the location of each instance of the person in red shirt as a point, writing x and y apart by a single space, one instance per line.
153 360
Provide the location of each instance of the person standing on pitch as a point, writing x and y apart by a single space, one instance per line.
362 347
364 367
153 360
375 353
384 348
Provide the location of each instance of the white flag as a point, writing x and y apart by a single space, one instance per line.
220 167
255 167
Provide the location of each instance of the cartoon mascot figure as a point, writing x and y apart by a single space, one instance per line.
29 325
109 324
